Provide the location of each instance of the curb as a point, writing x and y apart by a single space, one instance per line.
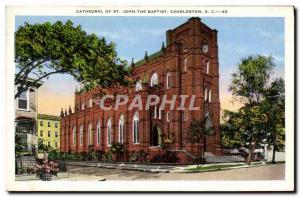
124 168
228 168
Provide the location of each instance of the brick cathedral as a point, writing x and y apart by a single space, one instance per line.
186 65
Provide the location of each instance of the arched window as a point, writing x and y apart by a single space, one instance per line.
156 136
206 94
207 67
209 95
98 132
90 134
74 136
168 116
109 132
135 128
90 102
81 134
168 80
121 129
138 86
154 80
82 106
185 64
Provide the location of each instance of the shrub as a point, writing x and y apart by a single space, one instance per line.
91 155
141 156
118 150
29 170
167 140
107 156
45 168
100 154
54 155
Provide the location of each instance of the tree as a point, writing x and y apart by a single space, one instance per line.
253 127
251 84
229 136
251 80
248 126
274 106
46 49
197 133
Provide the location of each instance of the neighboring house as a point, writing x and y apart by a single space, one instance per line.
48 130
187 65
26 108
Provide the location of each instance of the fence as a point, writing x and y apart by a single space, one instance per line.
26 165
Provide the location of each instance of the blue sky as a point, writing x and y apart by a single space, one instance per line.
238 37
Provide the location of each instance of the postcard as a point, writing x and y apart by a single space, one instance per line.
159 98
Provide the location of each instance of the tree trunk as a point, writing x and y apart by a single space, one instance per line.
274 150
198 156
204 149
251 152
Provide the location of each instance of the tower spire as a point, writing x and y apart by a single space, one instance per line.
146 56
62 113
70 110
132 63
163 48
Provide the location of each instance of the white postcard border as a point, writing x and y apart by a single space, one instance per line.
237 11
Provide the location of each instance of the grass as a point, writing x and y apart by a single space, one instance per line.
213 167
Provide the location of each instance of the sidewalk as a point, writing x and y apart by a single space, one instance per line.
62 176
127 166
162 168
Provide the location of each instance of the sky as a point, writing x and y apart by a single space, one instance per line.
238 37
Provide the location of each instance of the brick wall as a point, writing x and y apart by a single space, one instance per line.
185 60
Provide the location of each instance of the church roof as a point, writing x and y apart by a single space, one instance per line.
150 57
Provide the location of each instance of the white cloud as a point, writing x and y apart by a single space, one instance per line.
264 33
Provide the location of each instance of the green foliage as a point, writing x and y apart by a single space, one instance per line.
92 155
197 130
242 127
46 49
107 156
274 106
54 155
250 81
230 138
140 156
263 112
20 142
117 148
43 147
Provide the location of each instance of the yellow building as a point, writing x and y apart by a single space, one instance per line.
48 130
